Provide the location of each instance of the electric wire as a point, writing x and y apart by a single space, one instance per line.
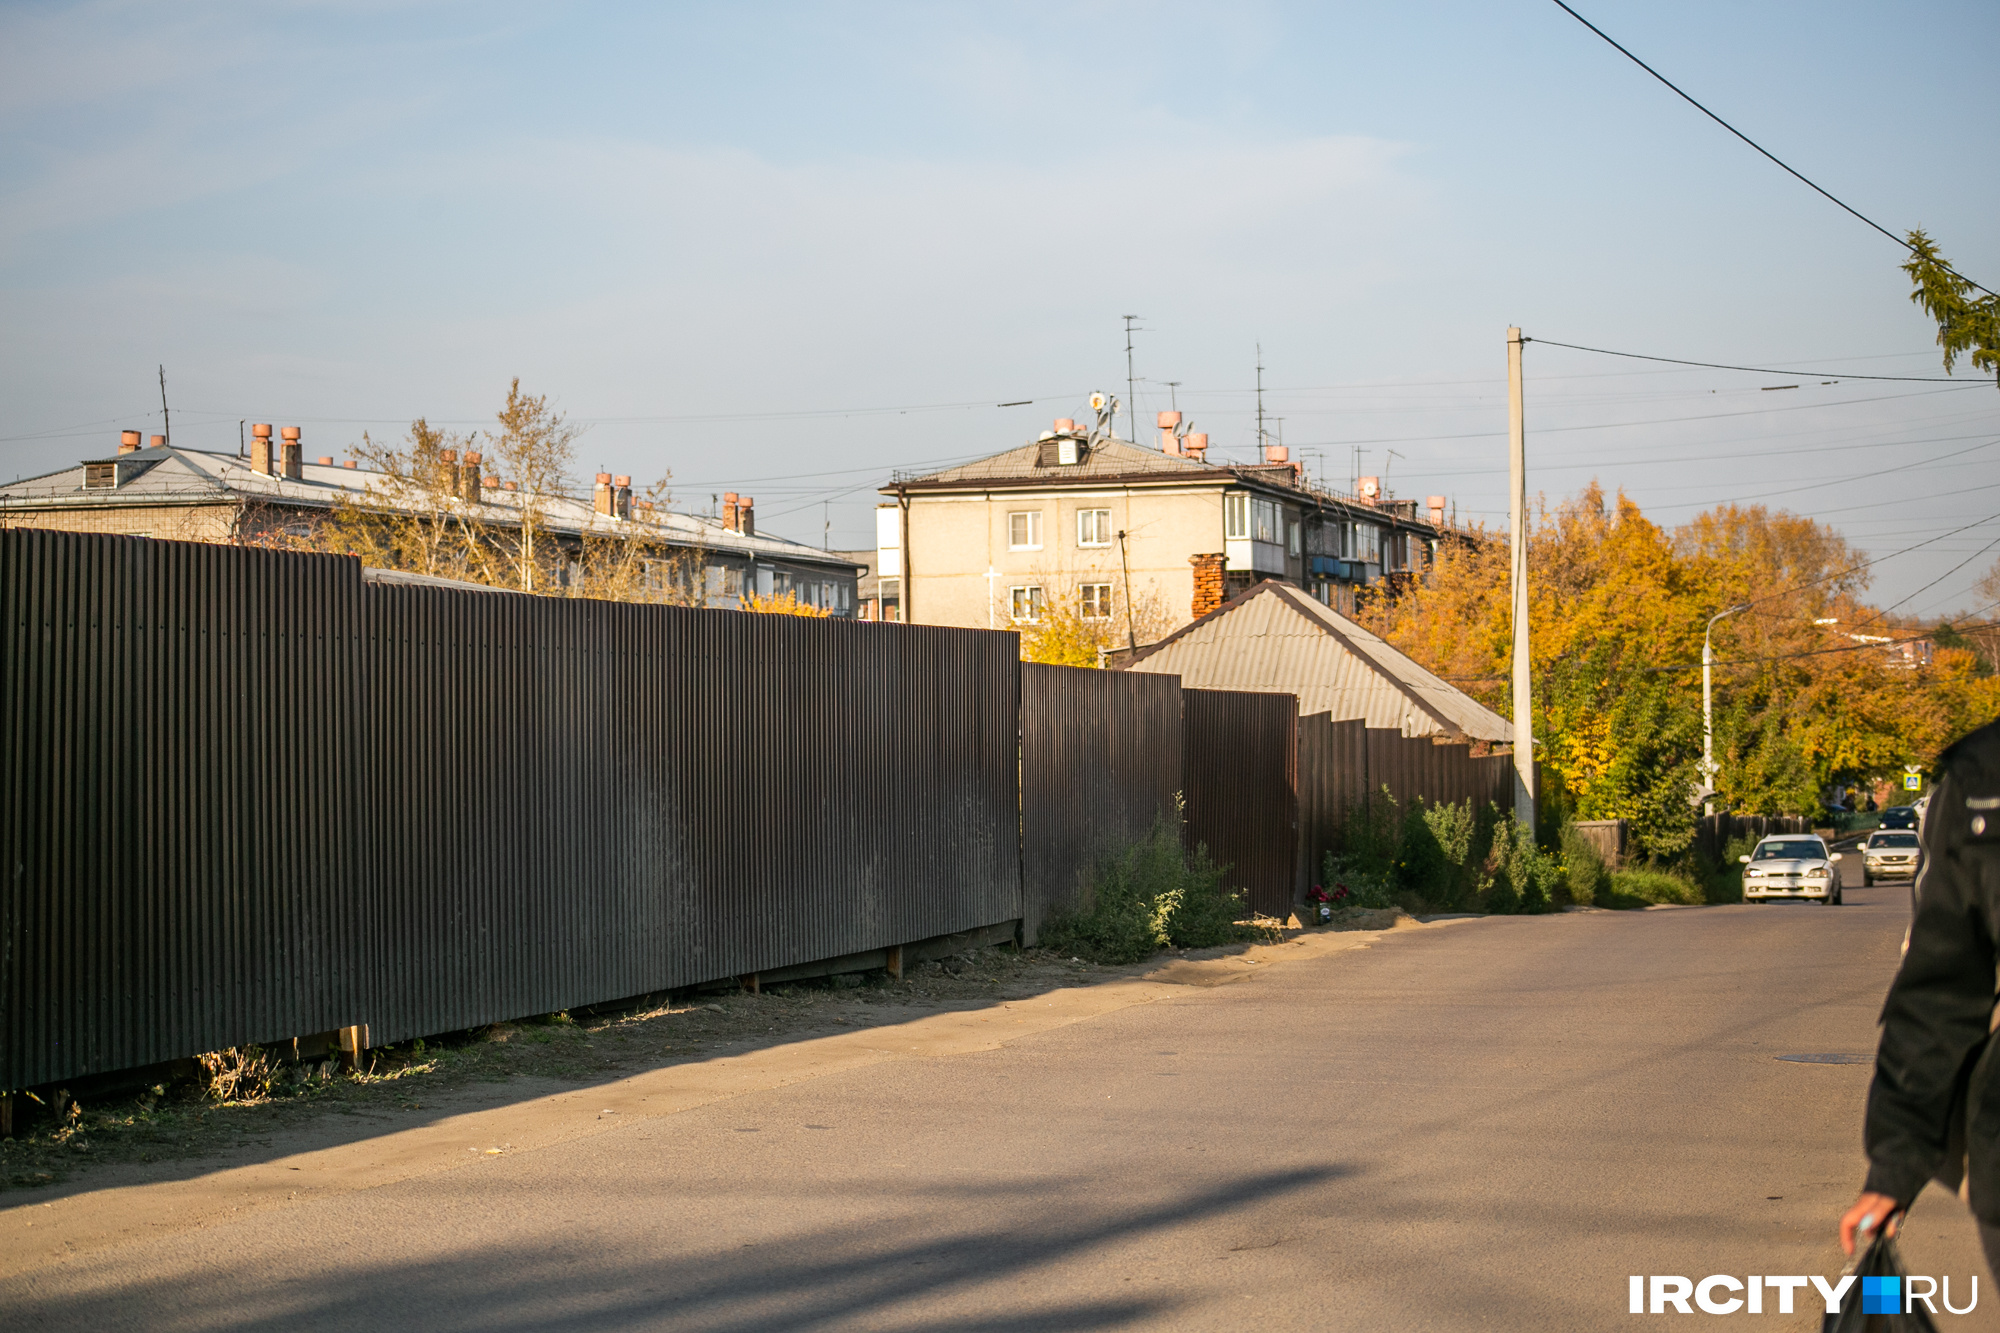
1755 370
1772 157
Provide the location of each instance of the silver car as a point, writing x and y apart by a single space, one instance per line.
1890 854
1793 865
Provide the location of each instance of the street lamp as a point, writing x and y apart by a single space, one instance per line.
1708 706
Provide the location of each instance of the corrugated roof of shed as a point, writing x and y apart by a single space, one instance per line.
1275 638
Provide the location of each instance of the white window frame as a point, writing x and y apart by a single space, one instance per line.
1292 535
1026 597
1093 521
1026 534
1094 601
1235 516
1264 521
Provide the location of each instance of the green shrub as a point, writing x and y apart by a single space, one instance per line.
1146 896
1656 884
1521 877
1584 875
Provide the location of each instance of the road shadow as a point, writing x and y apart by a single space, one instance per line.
988 1277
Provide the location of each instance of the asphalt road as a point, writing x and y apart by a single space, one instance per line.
1481 1124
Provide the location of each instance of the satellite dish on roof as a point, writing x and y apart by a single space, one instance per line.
1097 402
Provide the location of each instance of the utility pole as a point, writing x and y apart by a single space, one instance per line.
1131 383
1708 769
1517 494
166 424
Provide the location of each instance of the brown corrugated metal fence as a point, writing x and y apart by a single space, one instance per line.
178 725
1341 763
1241 773
251 799
1101 755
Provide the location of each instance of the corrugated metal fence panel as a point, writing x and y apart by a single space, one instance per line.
1333 777
1241 776
178 726
580 801
1101 755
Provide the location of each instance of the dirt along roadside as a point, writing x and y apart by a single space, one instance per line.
515 1088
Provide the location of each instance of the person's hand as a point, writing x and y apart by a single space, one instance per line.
1869 1213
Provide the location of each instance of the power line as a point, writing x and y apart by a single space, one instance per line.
1755 370
1852 212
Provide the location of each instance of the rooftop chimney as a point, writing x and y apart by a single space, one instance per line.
324 460
621 496
159 441
1170 443
746 516
1065 426
1195 446
601 500
1368 489
468 477
729 523
348 462
290 453
128 441
1277 453
1435 503
260 448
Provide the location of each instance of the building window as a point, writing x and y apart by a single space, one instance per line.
1292 537
1096 601
1367 543
1025 604
1093 527
1024 530
1264 514
1236 516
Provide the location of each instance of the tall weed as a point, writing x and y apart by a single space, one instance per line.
1148 895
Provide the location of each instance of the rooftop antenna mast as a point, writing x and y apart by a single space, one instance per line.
1260 402
1131 381
166 423
1388 463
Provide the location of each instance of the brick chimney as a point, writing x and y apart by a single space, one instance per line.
128 441
1208 583
260 448
1435 503
159 441
601 499
746 516
325 460
447 471
291 459
1277 453
1368 490
1195 446
1170 443
468 477
729 523
621 496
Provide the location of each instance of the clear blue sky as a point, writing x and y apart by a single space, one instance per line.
711 231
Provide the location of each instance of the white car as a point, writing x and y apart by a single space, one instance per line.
1792 865
1890 854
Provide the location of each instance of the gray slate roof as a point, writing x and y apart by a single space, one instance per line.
1105 460
1277 639
192 476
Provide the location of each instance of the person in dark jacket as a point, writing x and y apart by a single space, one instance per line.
1934 1108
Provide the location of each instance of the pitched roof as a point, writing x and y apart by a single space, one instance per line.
192 476
1276 638
1104 460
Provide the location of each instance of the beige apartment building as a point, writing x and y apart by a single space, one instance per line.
1145 538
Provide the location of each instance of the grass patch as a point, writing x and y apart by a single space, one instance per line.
1642 886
